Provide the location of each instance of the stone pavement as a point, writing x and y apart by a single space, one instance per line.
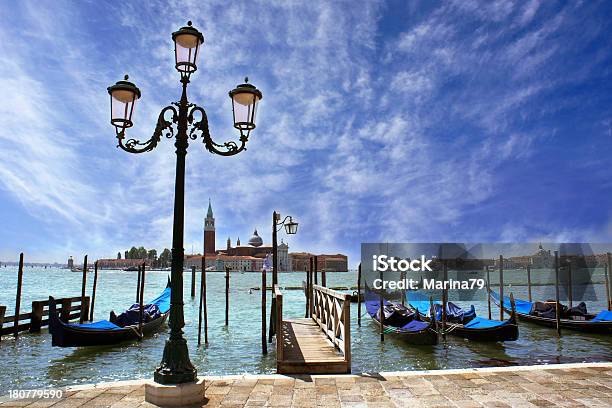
568 385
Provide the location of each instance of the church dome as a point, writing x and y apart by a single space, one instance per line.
255 240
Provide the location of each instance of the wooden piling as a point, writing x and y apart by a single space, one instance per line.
18 297
444 300
65 311
529 281
570 295
193 280
608 271
501 287
382 311
2 311
227 278
93 292
36 316
138 286
142 286
203 305
264 344
359 295
323 278
402 279
310 291
557 303
84 313
307 292
488 291
315 268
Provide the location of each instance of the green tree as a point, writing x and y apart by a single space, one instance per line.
133 253
165 257
125 255
118 255
142 253
152 254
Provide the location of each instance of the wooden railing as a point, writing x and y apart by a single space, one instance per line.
68 308
332 312
279 322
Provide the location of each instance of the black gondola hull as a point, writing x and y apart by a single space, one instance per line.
66 335
584 326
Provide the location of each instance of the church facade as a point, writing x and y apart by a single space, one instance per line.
248 257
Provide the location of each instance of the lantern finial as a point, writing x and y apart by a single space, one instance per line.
189 23
126 77
246 80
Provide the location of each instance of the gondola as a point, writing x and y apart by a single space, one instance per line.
572 320
467 324
401 321
117 329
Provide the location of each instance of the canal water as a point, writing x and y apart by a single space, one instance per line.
30 361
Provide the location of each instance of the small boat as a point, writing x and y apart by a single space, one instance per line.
544 314
131 269
117 329
467 324
403 322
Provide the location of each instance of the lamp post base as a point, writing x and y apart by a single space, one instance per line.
175 367
178 395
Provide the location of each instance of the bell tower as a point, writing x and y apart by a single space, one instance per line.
209 231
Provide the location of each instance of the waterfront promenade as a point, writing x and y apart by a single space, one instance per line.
569 385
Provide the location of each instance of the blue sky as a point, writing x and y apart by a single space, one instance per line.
394 121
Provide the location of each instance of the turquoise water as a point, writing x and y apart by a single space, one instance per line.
31 362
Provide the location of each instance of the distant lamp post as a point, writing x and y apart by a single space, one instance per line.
182 121
290 228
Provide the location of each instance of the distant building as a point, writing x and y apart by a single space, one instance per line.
300 261
70 263
122 263
209 231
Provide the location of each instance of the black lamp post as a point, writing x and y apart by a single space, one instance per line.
290 228
190 122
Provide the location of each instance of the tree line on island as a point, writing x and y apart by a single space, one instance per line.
161 261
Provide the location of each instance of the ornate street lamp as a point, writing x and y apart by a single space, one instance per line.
290 228
182 121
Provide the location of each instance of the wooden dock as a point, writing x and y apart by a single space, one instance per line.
319 344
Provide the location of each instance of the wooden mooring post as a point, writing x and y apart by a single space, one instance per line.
488 290
501 287
93 292
311 289
608 271
36 316
323 278
570 289
142 286
529 282
444 300
557 303
227 285
264 344
18 297
381 318
307 292
2 311
193 280
359 295
84 313
138 286
315 268
203 305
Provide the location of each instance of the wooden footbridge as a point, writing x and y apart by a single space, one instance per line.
319 344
